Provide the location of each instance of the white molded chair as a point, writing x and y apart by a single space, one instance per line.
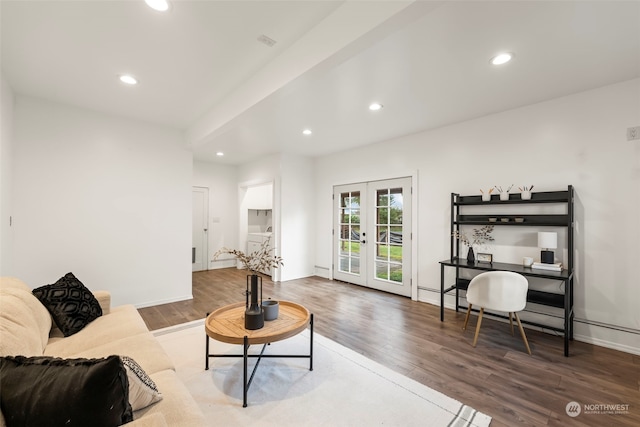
500 291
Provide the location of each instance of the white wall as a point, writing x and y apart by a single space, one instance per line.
297 205
293 209
260 197
222 182
106 198
579 140
6 171
260 171
263 172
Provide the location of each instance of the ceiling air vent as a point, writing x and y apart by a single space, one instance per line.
266 40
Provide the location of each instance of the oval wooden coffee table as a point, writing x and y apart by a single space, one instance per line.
226 324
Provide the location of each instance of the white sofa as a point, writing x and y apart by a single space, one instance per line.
26 329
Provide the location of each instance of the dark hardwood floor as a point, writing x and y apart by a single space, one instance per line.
497 377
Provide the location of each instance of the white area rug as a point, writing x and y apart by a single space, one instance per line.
344 388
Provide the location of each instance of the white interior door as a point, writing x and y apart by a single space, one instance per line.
199 224
372 240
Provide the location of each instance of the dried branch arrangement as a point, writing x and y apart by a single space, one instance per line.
257 261
480 236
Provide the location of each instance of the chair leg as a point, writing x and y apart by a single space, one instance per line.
524 337
466 319
475 339
511 323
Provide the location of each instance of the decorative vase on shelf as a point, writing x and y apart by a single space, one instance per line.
471 258
253 315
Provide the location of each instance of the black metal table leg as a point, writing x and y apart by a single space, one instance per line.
311 344
206 351
245 386
567 314
442 292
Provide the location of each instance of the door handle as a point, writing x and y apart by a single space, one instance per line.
363 241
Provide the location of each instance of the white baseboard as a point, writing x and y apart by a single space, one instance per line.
608 344
323 272
164 301
626 341
224 263
432 296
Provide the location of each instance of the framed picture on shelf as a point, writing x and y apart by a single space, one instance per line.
484 258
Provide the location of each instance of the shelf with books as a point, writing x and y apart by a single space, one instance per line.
544 266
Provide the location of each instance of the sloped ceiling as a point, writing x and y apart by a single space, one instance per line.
202 70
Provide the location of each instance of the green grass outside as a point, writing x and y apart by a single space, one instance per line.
396 276
395 252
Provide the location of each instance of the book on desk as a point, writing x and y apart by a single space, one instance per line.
550 267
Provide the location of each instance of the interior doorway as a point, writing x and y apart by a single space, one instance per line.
199 224
372 234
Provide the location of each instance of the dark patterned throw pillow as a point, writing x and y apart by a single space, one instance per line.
70 303
48 391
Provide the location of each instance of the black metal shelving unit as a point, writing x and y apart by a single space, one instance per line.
566 220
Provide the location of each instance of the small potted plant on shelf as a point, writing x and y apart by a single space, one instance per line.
256 262
479 236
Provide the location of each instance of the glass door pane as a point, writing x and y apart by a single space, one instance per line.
388 258
349 233
349 243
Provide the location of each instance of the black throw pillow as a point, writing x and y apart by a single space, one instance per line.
70 303
48 391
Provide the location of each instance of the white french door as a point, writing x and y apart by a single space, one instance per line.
372 235
349 238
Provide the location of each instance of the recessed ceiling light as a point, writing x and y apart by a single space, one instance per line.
128 79
502 58
219 154
375 106
159 5
307 132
